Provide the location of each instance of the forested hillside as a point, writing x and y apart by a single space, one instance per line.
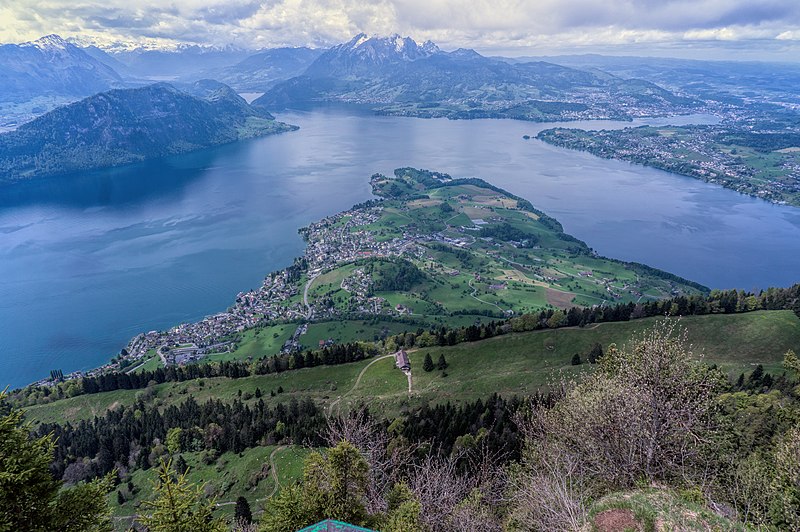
130 125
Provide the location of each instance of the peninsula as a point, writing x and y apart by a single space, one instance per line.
431 250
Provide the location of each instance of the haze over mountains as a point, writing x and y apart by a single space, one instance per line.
50 66
389 75
394 75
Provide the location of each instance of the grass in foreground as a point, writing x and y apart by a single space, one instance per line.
519 363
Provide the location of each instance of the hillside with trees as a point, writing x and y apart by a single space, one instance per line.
126 126
651 434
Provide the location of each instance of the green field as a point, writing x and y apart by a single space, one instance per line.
257 342
518 363
226 478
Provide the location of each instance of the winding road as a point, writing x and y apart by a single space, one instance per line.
473 296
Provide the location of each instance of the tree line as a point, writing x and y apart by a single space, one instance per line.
138 436
716 302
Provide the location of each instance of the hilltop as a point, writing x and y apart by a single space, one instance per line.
124 126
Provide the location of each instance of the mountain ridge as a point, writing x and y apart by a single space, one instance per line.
399 76
124 126
51 66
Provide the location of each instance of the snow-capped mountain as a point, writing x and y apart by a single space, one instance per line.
365 56
51 66
397 75
186 61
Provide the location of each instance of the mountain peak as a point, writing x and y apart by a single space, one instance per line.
49 43
365 56
405 46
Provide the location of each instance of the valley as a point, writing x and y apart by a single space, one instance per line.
218 232
473 289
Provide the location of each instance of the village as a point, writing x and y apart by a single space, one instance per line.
331 242
697 151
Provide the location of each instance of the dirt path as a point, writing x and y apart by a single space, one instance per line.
274 470
358 380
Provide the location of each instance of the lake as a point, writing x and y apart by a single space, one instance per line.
89 261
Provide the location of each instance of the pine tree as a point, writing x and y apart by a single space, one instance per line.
120 498
242 514
442 363
427 365
334 486
258 393
576 359
178 505
755 379
30 499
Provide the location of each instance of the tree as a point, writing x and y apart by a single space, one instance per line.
557 319
427 364
26 486
258 393
120 498
178 505
785 507
242 513
756 377
442 363
595 353
174 440
334 486
576 359
180 465
30 499
403 511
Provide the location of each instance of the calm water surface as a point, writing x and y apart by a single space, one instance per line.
87 262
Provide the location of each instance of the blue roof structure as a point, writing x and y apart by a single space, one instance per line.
331 525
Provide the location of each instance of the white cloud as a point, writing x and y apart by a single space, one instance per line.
481 24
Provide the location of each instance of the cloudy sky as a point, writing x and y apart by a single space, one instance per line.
725 29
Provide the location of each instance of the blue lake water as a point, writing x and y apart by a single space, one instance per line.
88 261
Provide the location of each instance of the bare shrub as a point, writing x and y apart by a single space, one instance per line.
386 463
647 414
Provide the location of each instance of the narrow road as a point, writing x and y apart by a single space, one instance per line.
473 296
358 380
305 296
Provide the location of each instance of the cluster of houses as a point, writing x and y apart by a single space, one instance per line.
331 242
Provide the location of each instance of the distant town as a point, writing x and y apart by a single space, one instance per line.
764 163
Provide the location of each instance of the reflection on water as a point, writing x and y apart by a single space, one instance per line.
88 261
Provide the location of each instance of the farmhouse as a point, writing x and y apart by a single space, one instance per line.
401 360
